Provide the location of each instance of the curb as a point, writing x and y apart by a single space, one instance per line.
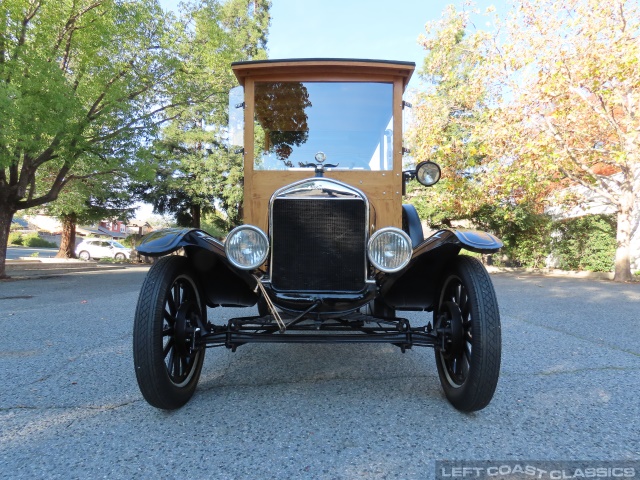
24 269
552 272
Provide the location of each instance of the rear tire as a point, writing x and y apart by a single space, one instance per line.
84 255
170 308
467 320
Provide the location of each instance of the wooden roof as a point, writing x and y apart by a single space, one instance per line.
323 67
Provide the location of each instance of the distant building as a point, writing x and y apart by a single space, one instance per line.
115 229
19 224
138 227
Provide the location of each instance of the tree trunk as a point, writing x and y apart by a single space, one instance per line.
623 240
240 216
195 216
68 240
6 215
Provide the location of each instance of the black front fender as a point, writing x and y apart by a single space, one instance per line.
168 240
416 287
220 282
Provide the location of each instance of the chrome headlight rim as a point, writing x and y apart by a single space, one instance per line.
263 256
403 235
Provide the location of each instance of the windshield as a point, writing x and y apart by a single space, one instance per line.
350 122
117 245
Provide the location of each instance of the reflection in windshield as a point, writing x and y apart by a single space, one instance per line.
350 122
280 112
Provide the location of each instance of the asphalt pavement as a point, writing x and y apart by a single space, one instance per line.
18 252
70 406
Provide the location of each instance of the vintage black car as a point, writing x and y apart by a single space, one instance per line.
327 252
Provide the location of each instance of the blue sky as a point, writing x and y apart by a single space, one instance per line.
371 29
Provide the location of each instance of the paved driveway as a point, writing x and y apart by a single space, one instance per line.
70 407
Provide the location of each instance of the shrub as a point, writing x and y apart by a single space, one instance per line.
34 241
113 260
131 240
586 243
524 232
214 226
15 238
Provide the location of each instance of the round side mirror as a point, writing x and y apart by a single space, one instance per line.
428 173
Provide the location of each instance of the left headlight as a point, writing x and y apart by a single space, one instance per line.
389 249
247 247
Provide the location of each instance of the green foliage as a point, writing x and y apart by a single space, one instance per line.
34 241
80 80
30 240
103 196
84 86
196 174
449 112
534 105
15 238
113 260
586 243
524 231
215 225
438 205
131 241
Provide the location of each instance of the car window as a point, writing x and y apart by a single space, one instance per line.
351 122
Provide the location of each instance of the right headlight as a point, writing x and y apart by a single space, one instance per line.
390 249
247 247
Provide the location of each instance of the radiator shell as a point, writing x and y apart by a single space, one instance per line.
318 235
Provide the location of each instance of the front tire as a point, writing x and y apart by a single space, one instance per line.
120 257
170 309
467 321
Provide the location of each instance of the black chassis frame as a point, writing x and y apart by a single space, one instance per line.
415 288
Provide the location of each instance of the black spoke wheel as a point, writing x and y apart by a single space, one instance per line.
169 316
467 322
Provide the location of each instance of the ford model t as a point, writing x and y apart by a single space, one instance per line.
328 252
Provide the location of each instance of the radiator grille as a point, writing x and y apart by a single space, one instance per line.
318 244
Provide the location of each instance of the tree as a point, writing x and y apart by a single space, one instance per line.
197 174
449 115
88 200
570 111
183 182
83 84
547 100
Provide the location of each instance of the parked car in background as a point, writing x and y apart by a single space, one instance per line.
101 248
